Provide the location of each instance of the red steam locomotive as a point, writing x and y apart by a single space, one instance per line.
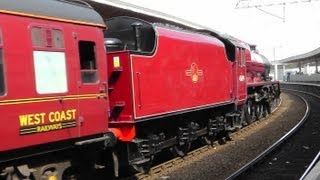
73 93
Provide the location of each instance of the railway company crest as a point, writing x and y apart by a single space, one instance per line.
194 72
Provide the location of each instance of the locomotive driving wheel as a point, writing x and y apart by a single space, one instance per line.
249 111
71 174
268 107
213 129
143 167
259 110
208 140
181 150
277 101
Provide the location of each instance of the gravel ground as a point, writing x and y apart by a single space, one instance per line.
228 158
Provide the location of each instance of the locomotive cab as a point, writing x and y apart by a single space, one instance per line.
130 34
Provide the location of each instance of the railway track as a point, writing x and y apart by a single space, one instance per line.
291 155
160 171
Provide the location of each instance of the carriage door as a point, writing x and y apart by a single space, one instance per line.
92 82
240 79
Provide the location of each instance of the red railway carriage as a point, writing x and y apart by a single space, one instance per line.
159 75
53 77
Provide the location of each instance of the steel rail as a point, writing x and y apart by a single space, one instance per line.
312 164
276 144
317 158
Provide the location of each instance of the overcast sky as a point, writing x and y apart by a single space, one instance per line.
299 33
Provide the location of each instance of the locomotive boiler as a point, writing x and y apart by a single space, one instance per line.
258 66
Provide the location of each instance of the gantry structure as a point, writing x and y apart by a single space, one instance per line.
264 6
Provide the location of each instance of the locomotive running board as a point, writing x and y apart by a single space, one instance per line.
152 117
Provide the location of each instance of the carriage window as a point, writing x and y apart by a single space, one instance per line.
48 35
36 36
50 72
47 38
49 60
88 64
2 80
2 83
57 39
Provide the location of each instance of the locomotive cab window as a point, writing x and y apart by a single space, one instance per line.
88 66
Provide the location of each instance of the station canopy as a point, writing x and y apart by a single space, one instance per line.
311 56
112 8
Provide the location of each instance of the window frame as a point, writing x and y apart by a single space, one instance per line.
243 57
96 70
5 91
45 64
46 48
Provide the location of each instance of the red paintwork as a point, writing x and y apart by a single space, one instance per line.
123 132
160 81
255 69
240 84
256 84
180 75
120 94
20 83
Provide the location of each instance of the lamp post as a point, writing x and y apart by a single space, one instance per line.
275 64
